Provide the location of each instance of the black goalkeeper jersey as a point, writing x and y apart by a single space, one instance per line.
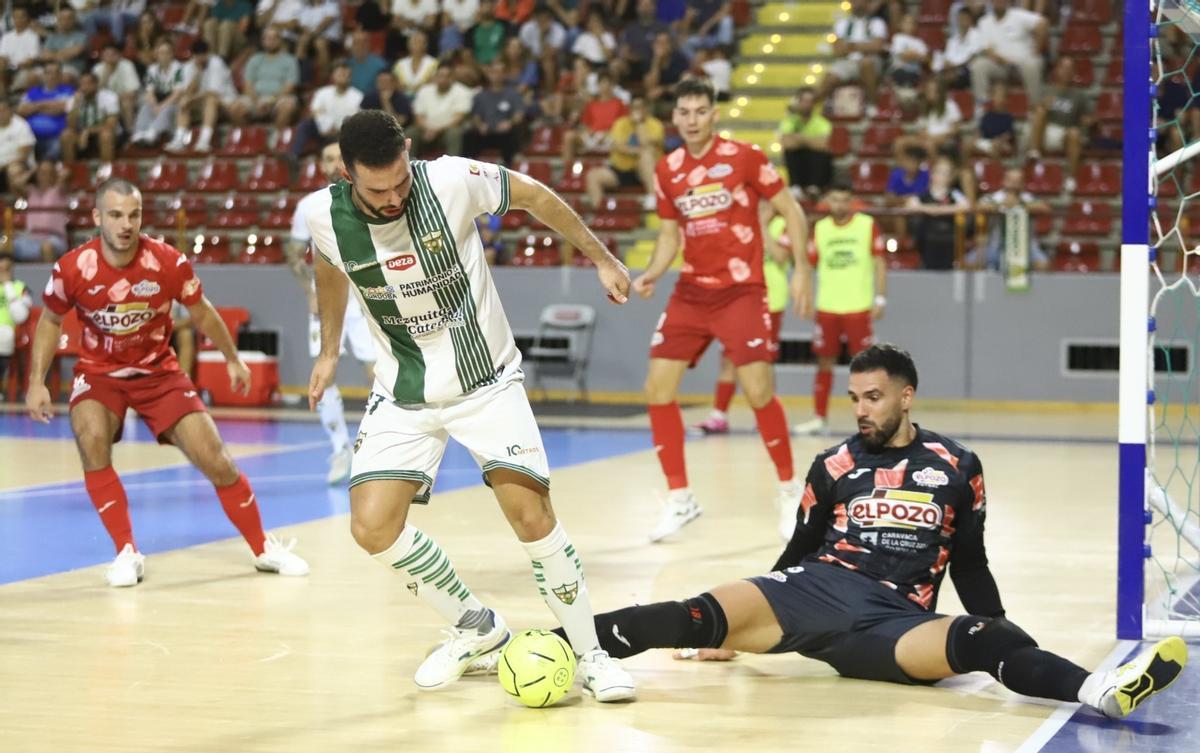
900 516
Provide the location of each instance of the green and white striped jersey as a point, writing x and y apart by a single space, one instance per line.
423 281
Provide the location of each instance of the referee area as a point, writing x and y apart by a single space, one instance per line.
208 655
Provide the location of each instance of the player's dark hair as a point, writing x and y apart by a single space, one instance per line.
889 358
372 138
116 185
8 255
695 87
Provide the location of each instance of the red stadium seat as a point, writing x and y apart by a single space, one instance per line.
195 209
245 141
80 212
283 140
934 11
267 174
538 170
514 220
1114 72
538 251
167 175
1095 179
210 249
170 14
279 216
572 179
869 177
839 141
1043 224
1097 12
217 176
349 16
1110 106
741 13
966 103
237 211
262 249
546 141
1018 104
934 35
80 176
1085 72
989 174
1077 257
1044 178
888 106
617 214
878 139
1081 39
126 170
312 178
1088 218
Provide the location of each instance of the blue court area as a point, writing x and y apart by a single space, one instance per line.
53 528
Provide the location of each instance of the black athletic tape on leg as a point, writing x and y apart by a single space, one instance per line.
698 622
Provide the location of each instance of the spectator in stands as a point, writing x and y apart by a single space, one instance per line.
166 85
228 26
1010 39
117 74
1011 196
45 235
364 64
996 135
462 14
670 13
284 15
417 68
19 51
939 121
413 15
330 105
935 209
15 304
467 70
667 66
386 96
497 117
716 67
908 178
45 108
591 133
320 33
195 13
139 46
596 44
953 63
512 12
210 90
114 15
542 32
635 47
804 134
976 8
1061 120
910 57
637 143
707 23
486 39
520 70
489 226
67 44
441 108
269 83
16 148
861 42
93 122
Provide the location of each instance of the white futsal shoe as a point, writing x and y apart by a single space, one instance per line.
788 501
339 466
812 427
278 557
127 569
604 677
680 509
1127 686
451 659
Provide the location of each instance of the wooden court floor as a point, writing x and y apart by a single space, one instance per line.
208 656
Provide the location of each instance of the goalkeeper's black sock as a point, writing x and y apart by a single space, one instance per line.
698 622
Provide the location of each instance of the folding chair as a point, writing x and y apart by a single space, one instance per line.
563 345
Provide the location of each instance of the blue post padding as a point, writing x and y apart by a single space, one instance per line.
1130 541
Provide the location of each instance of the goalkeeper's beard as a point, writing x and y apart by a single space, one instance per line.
876 436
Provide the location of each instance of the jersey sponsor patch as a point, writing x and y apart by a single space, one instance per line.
145 289
401 263
896 508
931 477
122 318
720 170
704 201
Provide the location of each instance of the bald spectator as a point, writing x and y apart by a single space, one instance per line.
45 108
93 122
16 147
1011 41
20 47
861 42
804 134
330 106
227 27
441 109
269 83
1061 120
497 117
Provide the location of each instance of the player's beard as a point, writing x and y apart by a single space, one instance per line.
377 212
119 245
880 434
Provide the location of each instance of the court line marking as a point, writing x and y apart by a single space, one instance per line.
1056 721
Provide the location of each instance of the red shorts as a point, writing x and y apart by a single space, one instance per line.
160 399
738 317
833 329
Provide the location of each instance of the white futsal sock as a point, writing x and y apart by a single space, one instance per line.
559 577
333 418
432 579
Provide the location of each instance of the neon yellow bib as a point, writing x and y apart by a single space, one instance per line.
845 267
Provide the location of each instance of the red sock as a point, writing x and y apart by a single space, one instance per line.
724 396
238 501
666 427
108 497
821 389
772 425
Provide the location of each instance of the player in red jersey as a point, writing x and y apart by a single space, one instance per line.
709 189
121 285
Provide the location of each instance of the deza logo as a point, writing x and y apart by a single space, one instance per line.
896 508
401 263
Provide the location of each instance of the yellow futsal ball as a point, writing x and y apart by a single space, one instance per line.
537 668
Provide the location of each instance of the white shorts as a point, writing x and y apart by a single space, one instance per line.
356 336
494 423
1054 138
